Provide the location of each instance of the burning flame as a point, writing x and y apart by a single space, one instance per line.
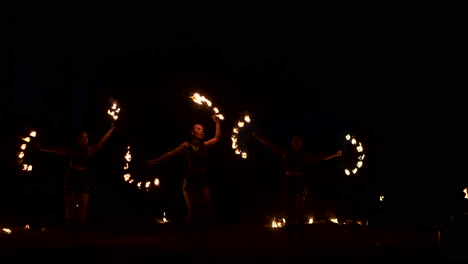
200 99
311 220
27 139
6 230
33 133
466 193
278 223
156 182
114 111
127 176
23 146
381 198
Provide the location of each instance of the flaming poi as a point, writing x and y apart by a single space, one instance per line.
128 177
22 151
202 100
114 110
241 123
358 147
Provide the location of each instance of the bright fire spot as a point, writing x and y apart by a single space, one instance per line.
247 118
156 181
139 184
353 141
238 151
26 227
277 223
29 167
359 164
334 220
147 184
360 148
466 193
348 137
347 172
27 139
25 167
164 217
33 134
311 220
6 230
240 124
244 155
381 197
127 177
23 146
21 155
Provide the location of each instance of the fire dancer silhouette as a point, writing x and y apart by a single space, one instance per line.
195 184
294 161
77 184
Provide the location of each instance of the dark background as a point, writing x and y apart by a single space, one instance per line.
391 80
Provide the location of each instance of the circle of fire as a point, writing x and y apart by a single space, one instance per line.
200 99
360 157
128 177
234 136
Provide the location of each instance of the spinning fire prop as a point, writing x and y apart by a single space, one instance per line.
128 177
21 153
200 99
234 137
358 147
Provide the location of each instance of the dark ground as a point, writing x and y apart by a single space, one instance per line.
234 243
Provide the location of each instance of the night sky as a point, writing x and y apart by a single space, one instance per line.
392 84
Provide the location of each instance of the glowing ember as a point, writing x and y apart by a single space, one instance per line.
6 230
466 193
156 182
334 220
21 155
311 220
27 139
26 227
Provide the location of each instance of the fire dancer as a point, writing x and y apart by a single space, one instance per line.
294 161
195 184
77 185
